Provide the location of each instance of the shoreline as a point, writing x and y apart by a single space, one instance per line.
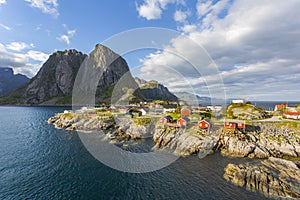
262 141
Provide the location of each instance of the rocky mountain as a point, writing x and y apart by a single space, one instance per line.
193 99
10 82
152 90
54 80
102 76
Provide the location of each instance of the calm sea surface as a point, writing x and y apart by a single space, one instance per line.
38 161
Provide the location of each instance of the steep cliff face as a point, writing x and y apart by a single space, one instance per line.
55 78
101 74
9 82
112 64
107 74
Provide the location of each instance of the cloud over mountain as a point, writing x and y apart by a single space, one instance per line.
254 43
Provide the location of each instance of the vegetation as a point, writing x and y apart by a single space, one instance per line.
104 117
289 124
65 100
68 116
245 111
174 115
150 85
206 115
161 102
106 92
142 121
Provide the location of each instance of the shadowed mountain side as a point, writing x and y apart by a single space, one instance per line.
86 79
9 81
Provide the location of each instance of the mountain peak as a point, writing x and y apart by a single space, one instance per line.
9 82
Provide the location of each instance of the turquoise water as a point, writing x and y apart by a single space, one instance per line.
38 161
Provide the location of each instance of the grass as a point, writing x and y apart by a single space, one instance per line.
68 116
65 100
292 158
174 115
244 107
150 85
142 121
289 124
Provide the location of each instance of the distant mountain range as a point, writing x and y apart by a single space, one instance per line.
194 99
10 82
53 84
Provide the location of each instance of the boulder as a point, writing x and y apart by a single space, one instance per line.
273 177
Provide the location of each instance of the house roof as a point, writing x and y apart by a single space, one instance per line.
206 120
168 117
280 106
292 113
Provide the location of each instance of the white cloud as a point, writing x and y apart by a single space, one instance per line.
206 7
19 46
11 59
5 27
71 33
24 63
2 2
189 28
37 56
66 37
152 9
255 46
181 16
46 6
203 7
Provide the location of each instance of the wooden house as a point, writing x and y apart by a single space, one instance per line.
234 125
91 115
182 122
185 112
231 125
166 119
204 124
280 107
291 115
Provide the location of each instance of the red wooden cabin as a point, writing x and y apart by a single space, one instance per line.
204 124
185 112
181 122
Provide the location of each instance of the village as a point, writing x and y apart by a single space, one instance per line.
239 130
205 118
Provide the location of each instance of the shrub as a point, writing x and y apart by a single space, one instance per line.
67 116
174 115
142 121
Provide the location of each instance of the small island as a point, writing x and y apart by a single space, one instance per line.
239 130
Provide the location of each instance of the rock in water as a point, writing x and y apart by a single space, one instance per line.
273 177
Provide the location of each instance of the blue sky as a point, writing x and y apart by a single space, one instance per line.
254 44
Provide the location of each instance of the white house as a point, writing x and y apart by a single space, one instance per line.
143 111
166 110
291 115
237 101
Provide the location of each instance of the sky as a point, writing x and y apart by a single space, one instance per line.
250 48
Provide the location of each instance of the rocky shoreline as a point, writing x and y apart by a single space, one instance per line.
274 176
266 141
